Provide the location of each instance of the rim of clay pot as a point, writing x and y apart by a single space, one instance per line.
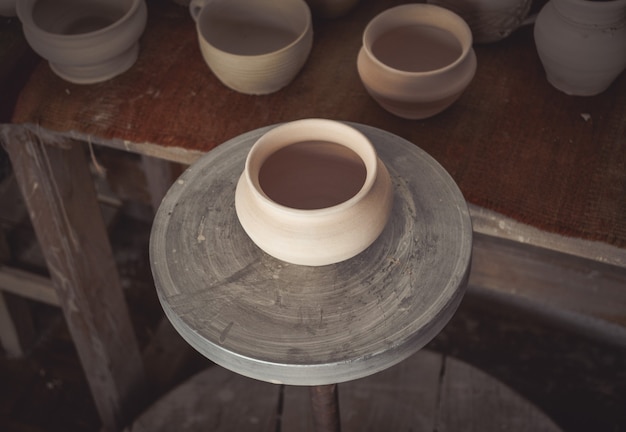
466 44
307 28
24 13
365 151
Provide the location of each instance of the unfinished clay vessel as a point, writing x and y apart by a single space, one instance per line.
253 46
489 20
582 44
85 41
313 192
416 59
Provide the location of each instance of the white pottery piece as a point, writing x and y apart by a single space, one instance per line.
85 41
7 8
331 9
582 44
253 46
416 59
313 192
490 20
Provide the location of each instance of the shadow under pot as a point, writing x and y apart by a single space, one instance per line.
85 41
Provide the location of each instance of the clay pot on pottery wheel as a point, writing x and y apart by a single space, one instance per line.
85 41
582 44
489 20
313 192
416 59
253 46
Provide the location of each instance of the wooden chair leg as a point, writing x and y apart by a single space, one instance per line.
159 178
17 331
57 187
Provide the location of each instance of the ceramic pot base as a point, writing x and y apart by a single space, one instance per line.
84 41
97 73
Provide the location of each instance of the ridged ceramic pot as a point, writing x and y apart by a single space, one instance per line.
582 44
84 41
313 192
416 59
253 46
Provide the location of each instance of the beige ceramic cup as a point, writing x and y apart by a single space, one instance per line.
416 59
313 192
253 46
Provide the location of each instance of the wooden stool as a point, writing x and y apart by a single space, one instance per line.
311 326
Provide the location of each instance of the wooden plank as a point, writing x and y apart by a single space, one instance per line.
9 333
215 400
561 281
150 149
58 190
472 401
488 222
17 330
426 392
29 285
159 177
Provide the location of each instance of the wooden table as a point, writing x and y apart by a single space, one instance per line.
544 172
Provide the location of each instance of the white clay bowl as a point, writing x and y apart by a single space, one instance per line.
253 47
416 59
84 41
313 192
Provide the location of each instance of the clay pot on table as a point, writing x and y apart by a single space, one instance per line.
253 46
416 59
582 44
85 41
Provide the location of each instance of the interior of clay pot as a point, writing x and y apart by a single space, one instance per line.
312 175
417 48
243 30
73 17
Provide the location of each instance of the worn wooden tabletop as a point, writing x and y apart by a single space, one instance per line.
292 324
512 142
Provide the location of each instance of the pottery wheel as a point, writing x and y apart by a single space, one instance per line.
284 323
